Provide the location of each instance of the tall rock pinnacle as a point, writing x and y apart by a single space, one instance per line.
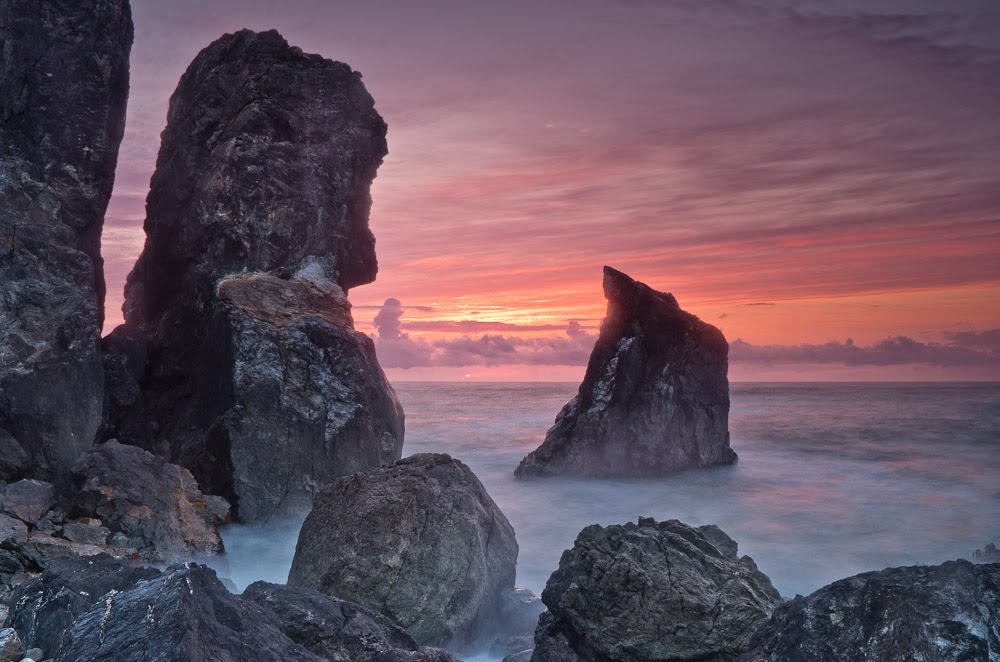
257 223
655 398
63 89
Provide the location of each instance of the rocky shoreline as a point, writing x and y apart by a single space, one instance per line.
239 390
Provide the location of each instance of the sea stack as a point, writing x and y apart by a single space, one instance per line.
655 398
63 91
257 224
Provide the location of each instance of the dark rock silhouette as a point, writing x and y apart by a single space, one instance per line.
652 591
63 90
337 629
155 505
941 613
257 224
420 541
655 398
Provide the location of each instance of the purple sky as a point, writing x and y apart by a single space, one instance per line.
840 160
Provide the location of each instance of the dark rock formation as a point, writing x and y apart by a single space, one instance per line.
43 609
941 613
156 505
652 591
420 541
257 223
104 609
337 629
655 398
63 89
14 461
11 647
27 499
184 615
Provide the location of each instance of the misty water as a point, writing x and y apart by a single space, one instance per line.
832 480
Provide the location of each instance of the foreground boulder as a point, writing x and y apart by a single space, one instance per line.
155 505
655 398
337 629
420 541
184 615
652 591
104 609
257 225
63 90
43 609
941 613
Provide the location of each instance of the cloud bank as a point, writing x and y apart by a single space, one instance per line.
397 349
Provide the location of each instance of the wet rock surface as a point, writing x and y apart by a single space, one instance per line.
185 614
43 609
63 90
938 613
655 397
420 541
257 224
157 506
337 629
652 591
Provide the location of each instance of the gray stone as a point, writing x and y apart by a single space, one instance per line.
257 224
12 528
942 613
44 607
84 533
655 397
64 87
337 629
420 541
14 461
27 499
184 615
35 654
652 591
155 504
11 647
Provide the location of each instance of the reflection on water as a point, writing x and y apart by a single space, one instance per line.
833 479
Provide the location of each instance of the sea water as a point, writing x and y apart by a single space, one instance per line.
832 479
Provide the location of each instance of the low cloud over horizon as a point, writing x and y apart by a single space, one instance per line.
398 349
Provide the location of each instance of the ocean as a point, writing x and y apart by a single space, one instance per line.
833 479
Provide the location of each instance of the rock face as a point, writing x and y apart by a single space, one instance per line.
44 608
157 506
63 90
420 541
185 614
337 629
103 609
939 613
257 224
655 398
652 591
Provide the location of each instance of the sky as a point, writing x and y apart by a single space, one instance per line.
819 180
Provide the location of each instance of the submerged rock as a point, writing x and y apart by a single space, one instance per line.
337 629
652 591
257 224
655 398
941 613
157 506
63 89
420 541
